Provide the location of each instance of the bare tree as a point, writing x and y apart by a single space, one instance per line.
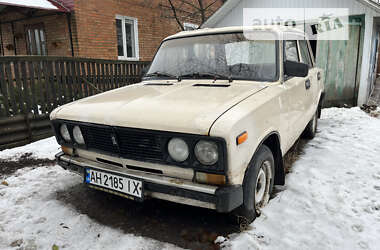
194 11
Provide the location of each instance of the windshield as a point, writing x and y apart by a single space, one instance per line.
218 56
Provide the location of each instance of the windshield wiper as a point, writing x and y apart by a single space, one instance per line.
158 73
214 75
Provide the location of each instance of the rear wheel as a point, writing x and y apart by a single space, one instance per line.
257 186
311 128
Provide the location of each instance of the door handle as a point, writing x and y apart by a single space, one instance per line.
307 84
319 76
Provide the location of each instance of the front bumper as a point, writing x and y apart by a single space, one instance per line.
222 199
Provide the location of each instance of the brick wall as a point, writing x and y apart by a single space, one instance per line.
56 31
94 27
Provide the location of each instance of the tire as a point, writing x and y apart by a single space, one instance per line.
311 128
257 187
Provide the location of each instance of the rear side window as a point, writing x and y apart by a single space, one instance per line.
305 55
291 51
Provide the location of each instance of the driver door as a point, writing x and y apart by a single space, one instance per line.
296 94
314 77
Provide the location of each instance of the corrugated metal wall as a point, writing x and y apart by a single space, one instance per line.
340 60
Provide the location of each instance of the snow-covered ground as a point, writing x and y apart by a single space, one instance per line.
31 217
331 199
43 149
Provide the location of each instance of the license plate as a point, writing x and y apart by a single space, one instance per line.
131 187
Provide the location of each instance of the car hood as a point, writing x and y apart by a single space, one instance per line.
187 106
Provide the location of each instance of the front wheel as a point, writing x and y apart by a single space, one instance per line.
257 186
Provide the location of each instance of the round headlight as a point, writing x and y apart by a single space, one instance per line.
65 133
78 137
206 152
178 149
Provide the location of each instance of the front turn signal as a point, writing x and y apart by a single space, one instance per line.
215 179
241 138
67 150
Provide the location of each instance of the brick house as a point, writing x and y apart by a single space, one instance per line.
107 29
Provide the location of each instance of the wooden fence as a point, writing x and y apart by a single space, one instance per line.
32 86
22 129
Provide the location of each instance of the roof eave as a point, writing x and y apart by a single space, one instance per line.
222 11
60 6
56 6
374 6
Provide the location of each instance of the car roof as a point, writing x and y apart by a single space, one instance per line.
278 29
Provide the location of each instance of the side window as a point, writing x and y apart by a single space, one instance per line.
305 55
291 52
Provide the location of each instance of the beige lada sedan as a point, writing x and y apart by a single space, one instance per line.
208 126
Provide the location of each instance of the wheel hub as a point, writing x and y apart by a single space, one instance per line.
260 186
263 185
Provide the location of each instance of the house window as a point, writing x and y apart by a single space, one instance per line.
190 26
36 39
127 38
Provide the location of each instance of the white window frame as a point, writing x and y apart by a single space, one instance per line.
136 33
192 26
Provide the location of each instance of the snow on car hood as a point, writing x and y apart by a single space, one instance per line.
188 106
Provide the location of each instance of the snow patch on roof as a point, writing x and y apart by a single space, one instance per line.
38 4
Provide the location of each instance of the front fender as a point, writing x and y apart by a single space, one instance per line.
259 116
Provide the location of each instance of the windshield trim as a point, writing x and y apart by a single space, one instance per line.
275 79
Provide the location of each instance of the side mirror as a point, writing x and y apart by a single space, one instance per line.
296 69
